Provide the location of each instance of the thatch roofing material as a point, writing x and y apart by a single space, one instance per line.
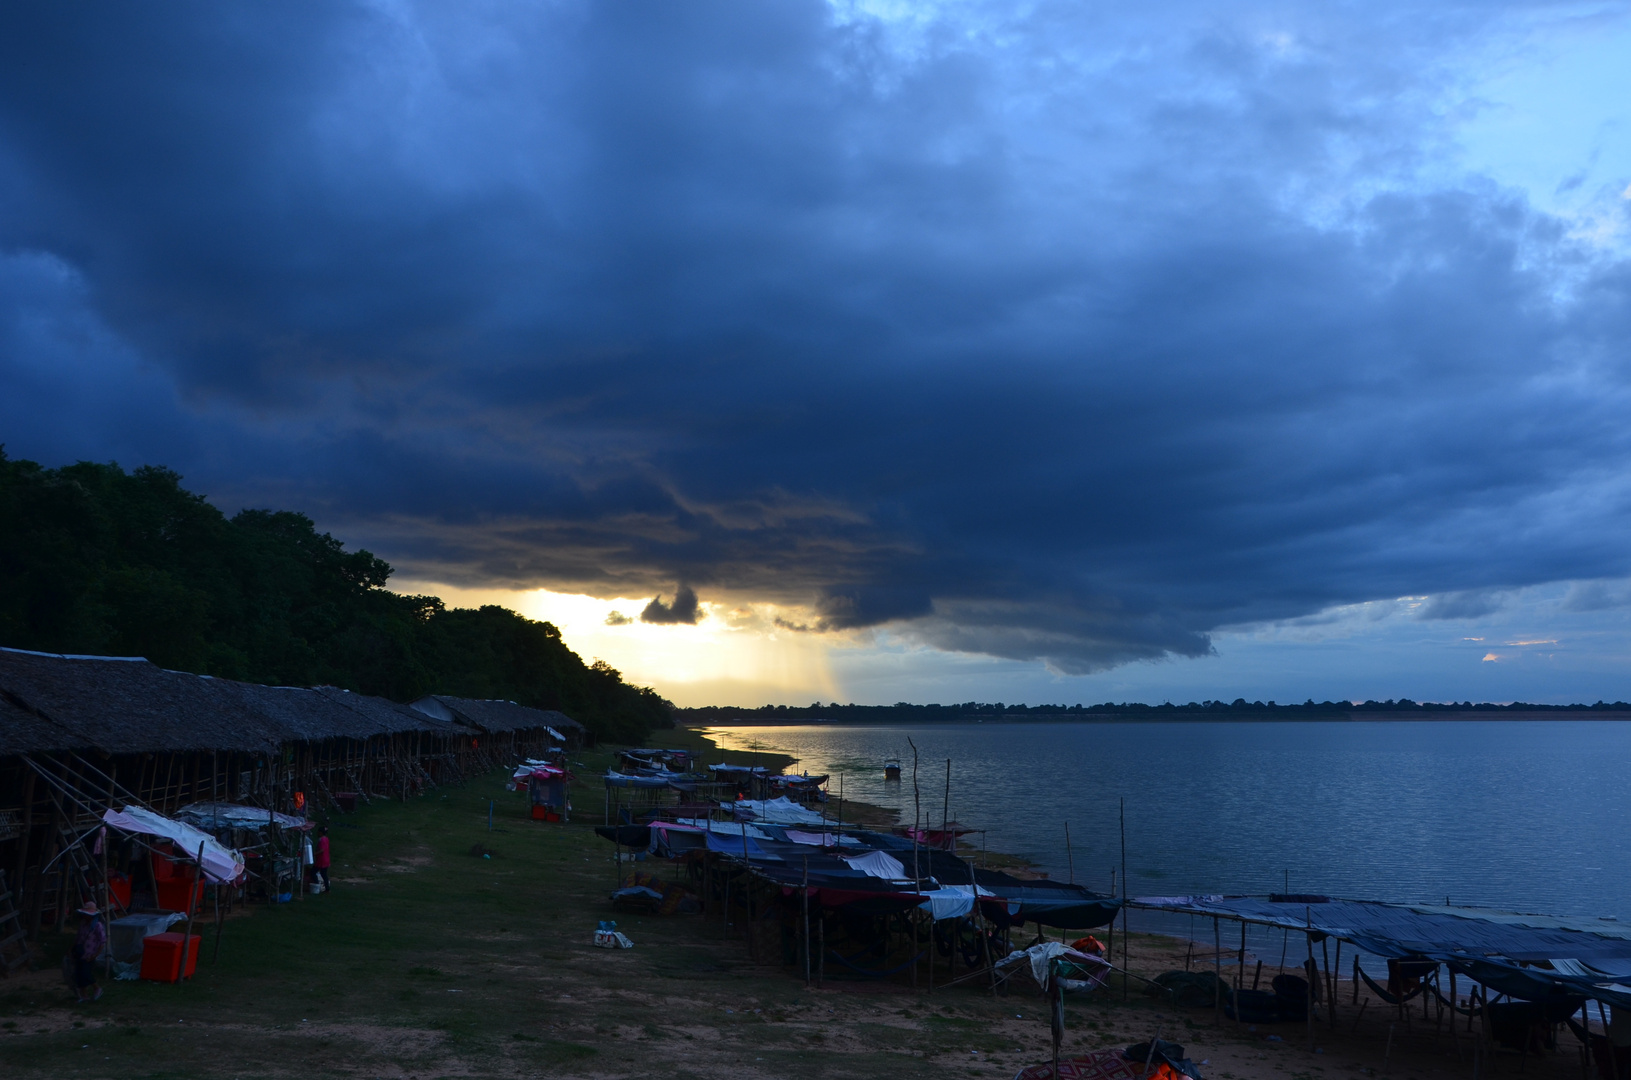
380 714
22 730
128 705
493 715
132 706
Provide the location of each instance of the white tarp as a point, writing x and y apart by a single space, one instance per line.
220 862
952 901
877 864
781 811
821 839
725 828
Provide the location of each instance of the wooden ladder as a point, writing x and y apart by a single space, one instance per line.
14 952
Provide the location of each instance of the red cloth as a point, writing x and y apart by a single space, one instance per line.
320 858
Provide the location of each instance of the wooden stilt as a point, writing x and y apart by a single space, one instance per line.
1217 971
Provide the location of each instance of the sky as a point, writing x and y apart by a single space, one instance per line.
872 351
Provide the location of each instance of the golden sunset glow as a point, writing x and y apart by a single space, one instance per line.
734 654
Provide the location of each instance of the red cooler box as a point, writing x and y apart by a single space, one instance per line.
161 957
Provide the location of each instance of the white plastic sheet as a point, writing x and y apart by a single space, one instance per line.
877 864
220 862
952 901
780 811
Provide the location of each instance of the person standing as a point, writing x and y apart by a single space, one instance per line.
319 866
88 945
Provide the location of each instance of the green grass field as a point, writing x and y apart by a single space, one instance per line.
428 961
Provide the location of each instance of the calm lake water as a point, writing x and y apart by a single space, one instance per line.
1525 816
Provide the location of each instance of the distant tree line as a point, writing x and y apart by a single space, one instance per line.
94 559
905 712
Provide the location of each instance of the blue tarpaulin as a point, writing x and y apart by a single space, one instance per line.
1525 956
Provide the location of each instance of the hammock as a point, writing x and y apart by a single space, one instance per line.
1471 1010
1392 999
870 972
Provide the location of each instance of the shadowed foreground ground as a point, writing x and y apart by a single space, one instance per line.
427 961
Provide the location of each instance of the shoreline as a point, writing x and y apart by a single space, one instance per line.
1539 716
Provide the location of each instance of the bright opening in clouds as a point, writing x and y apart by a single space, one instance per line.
871 351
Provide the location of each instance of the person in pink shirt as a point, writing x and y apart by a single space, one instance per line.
319 861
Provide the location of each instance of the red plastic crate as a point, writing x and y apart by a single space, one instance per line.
161 957
176 893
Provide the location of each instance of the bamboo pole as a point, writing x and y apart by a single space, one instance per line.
804 901
1124 931
1240 975
192 904
1310 974
1330 982
917 873
1217 972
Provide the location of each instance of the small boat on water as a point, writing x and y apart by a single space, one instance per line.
891 769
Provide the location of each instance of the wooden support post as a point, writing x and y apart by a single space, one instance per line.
192 903
1330 980
821 943
1310 973
1124 942
1455 1039
1240 974
1217 971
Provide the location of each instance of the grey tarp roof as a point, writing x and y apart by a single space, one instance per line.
1490 945
492 714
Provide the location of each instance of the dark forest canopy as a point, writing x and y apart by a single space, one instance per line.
1240 708
97 560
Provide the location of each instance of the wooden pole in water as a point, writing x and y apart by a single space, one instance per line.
1070 859
804 901
945 809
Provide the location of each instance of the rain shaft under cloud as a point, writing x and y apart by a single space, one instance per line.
1051 335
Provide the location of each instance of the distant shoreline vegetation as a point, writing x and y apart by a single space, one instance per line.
1110 712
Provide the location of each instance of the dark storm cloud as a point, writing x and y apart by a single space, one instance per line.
682 610
1056 336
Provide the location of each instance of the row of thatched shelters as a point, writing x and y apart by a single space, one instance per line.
82 734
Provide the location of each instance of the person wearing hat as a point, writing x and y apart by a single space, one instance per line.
87 947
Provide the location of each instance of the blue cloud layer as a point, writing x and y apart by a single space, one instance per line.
1058 336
